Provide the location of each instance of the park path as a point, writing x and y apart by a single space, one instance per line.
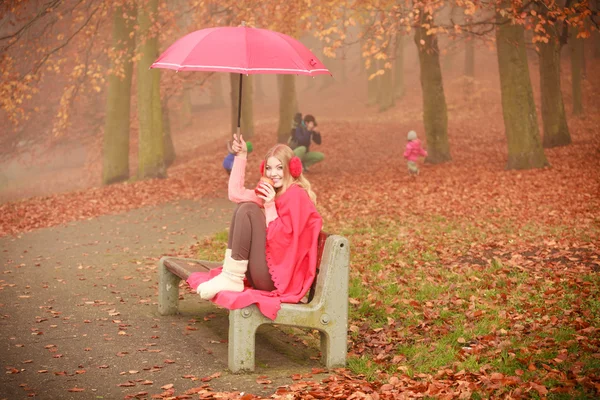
78 310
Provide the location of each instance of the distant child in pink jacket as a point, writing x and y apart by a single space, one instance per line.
413 152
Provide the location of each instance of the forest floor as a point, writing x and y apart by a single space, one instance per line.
498 269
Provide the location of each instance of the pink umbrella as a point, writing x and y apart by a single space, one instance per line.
242 50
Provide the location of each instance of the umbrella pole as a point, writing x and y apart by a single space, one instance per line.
239 108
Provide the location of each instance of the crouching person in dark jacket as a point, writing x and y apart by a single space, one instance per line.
304 135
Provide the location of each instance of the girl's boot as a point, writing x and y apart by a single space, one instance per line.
231 278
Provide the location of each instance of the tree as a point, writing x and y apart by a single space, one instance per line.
151 139
518 109
577 60
312 44
217 99
469 65
369 52
556 130
168 140
372 82
399 88
385 96
435 114
333 65
291 98
259 92
184 20
287 107
469 58
115 151
596 33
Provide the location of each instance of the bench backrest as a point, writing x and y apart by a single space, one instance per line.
320 246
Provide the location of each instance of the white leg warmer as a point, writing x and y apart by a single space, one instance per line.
231 278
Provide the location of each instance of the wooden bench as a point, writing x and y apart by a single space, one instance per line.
326 309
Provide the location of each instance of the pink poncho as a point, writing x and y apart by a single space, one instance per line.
291 252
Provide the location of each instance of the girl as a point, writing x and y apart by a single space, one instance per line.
412 152
272 238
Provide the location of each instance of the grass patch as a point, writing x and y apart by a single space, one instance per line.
507 363
476 312
212 248
422 358
363 366
429 291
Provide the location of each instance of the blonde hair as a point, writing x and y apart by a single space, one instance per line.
284 154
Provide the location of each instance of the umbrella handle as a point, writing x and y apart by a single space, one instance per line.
239 109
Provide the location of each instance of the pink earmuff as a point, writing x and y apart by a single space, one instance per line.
295 166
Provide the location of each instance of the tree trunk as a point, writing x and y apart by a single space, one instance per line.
151 141
518 108
343 66
332 66
186 109
595 39
577 60
556 131
259 92
372 83
168 140
280 86
313 44
287 107
469 67
385 97
369 66
435 114
399 88
469 58
247 121
217 98
115 154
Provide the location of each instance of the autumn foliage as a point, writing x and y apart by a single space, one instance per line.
468 280
488 258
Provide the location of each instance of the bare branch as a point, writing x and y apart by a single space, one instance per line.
43 60
48 7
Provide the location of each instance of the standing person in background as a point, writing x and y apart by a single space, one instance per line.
413 152
304 135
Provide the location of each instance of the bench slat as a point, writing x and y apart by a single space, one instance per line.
184 268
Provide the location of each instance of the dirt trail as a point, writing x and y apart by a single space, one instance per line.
79 301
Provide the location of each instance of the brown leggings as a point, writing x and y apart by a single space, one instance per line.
247 240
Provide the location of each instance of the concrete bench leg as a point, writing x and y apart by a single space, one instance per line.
334 346
243 324
168 290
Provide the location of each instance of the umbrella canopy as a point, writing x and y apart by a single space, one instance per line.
242 50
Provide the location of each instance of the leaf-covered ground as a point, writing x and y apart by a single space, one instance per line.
467 282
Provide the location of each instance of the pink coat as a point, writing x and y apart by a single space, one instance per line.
291 249
414 150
